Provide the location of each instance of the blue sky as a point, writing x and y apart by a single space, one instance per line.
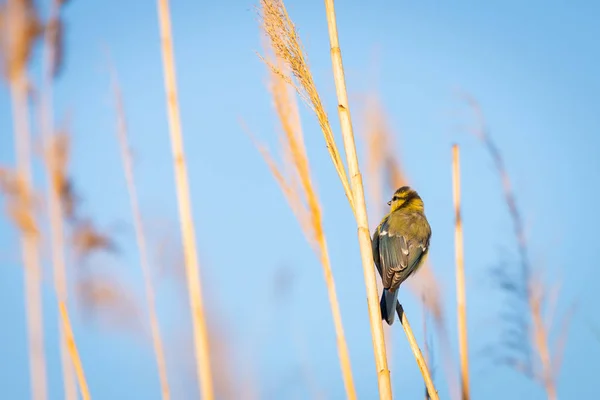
533 68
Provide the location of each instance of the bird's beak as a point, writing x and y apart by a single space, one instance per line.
389 203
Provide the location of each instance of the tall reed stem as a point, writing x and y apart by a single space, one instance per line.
141 242
29 241
55 206
421 362
364 237
461 297
201 340
287 110
72 349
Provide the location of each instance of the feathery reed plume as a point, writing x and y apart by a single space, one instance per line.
85 392
461 298
304 201
284 40
141 240
59 196
281 32
19 29
105 299
201 338
527 330
385 174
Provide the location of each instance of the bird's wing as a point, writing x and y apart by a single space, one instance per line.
375 248
399 253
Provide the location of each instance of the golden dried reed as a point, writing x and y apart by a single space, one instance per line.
461 297
201 338
303 199
284 40
358 195
19 28
56 154
74 354
141 240
280 30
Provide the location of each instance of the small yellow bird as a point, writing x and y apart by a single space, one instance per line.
400 245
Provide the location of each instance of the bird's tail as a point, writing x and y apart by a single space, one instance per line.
388 305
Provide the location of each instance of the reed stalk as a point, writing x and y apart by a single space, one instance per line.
157 341
303 199
54 177
461 298
414 346
73 353
29 240
358 196
201 338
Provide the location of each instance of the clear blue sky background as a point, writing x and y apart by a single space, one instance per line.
533 67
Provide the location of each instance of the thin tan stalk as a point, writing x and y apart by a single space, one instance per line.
74 354
141 242
426 350
461 299
201 339
53 198
358 195
421 362
306 197
29 241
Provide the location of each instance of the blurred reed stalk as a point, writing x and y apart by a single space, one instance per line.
74 354
29 242
358 196
201 338
20 28
55 177
303 199
461 297
385 174
141 240
531 330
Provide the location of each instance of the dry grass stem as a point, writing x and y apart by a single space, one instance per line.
304 201
19 28
141 242
286 44
74 354
364 236
201 338
461 297
421 362
56 156
527 331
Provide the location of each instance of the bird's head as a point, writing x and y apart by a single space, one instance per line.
407 199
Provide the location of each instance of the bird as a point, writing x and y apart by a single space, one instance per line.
400 245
